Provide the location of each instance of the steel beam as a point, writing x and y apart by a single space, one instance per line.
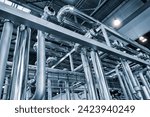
21 17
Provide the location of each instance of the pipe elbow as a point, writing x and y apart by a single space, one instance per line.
64 10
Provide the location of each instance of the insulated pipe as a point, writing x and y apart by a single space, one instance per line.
102 78
144 82
146 93
98 76
20 62
4 50
122 84
126 86
133 80
74 11
88 75
41 79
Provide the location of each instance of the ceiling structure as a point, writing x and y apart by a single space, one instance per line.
130 13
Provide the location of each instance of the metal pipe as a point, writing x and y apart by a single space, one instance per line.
63 58
4 50
126 86
122 84
88 75
6 86
146 93
98 77
144 82
102 78
78 68
20 62
49 89
41 79
74 11
67 90
71 62
133 80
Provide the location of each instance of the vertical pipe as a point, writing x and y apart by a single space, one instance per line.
49 84
122 84
102 78
4 50
144 82
71 62
101 90
20 63
133 80
67 90
88 75
147 95
40 80
126 86
6 86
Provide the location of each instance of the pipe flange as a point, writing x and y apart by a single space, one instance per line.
49 10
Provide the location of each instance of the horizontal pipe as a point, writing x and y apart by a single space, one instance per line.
20 17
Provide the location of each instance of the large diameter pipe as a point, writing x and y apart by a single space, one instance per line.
40 75
102 78
133 80
74 11
104 94
20 63
88 75
144 82
122 84
4 50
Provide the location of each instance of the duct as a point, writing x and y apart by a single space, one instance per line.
102 86
121 83
144 82
88 75
20 62
4 50
74 11
41 79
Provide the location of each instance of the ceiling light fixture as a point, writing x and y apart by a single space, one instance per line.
116 23
142 39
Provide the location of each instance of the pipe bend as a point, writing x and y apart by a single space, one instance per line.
64 10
